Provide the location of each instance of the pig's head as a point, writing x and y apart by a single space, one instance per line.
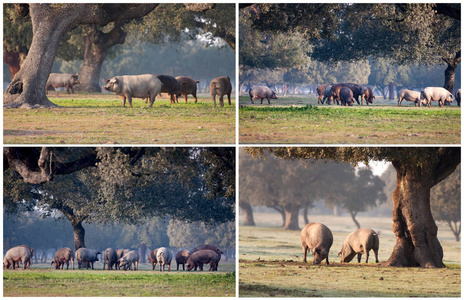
319 255
113 85
75 79
190 265
274 95
347 253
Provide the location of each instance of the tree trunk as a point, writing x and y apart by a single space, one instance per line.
248 212
391 91
96 46
305 214
241 87
291 217
456 230
143 252
353 217
79 235
416 232
281 212
451 71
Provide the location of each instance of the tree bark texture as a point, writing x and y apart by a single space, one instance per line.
248 212
79 235
450 72
291 217
305 214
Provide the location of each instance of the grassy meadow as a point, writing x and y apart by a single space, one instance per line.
100 119
44 280
271 264
299 119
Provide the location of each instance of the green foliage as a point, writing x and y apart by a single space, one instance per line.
17 30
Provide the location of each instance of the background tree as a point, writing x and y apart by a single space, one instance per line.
445 199
418 170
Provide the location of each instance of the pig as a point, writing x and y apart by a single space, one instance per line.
129 259
16 254
458 97
358 242
436 94
220 86
201 257
346 96
317 238
408 95
120 253
320 92
152 258
356 89
164 258
170 86
66 80
88 256
367 94
261 92
209 247
181 258
327 95
110 258
30 249
188 87
63 256
139 86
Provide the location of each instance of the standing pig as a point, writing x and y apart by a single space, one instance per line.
458 97
66 80
436 94
129 259
170 86
63 256
408 95
188 87
181 258
138 86
16 254
367 94
201 257
209 247
152 258
327 95
110 258
220 86
261 92
164 257
120 253
88 256
317 238
346 96
358 242
320 92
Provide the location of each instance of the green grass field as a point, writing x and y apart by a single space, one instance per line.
300 120
43 280
100 119
271 264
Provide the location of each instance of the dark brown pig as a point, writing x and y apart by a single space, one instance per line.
15 254
110 258
63 256
356 89
220 86
320 92
181 258
318 239
261 92
188 87
209 247
346 96
138 86
201 257
367 94
458 97
66 80
152 258
360 242
171 86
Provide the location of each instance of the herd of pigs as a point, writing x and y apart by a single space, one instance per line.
318 239
120 258
147 86
347 93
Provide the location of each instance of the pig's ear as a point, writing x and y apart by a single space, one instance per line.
113 80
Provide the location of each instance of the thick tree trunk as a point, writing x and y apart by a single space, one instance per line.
353 217
143 252
96 46
305 214
391 91
79 235
415 229
241 87
291 217
248 212
451 71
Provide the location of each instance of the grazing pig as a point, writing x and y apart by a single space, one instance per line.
209 247
261 92
327 95
16 254
152 258
164 258
320 92
201 257
358 242
120 253
88 256
220 86
408 95
129 259
188 87
110 258
317 238
63 256
139 86
367 94
356 89
66 80
436 94
170 86
181 258
458 97
346 96
30 249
